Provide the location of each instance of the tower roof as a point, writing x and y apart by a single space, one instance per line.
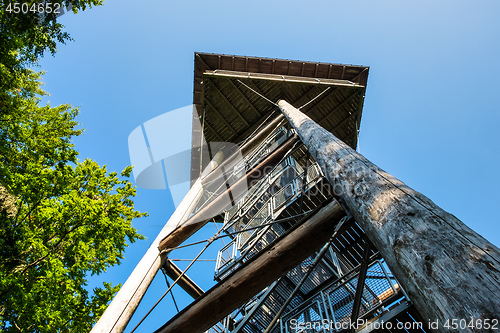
234 95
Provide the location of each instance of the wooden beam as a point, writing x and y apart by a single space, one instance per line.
202 61
305 98
244 97
124 304
184 282
282 78
251 144
329 115
205 123
252 83
345 120
258 273
447 269
251 131
220 116
323 98
228 102
358 118
198 220
262 134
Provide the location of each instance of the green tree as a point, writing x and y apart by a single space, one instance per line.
61 219
24 38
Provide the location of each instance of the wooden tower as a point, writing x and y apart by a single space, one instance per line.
319 238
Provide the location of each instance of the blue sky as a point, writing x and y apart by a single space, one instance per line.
431 114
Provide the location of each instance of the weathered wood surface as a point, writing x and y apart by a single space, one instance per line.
447 269
124 304
184 282
258 272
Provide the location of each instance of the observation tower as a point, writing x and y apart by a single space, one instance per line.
317 238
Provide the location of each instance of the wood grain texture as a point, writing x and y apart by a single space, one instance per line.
447 269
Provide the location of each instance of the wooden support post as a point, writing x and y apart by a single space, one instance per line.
124 304
199 219
447 269
258 272
184 282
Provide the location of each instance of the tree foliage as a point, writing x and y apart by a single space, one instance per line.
61 219
24 38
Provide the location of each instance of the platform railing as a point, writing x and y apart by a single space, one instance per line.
251 214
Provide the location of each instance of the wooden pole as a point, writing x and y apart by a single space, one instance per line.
199 219
184 282
177 230
124 304
448 270
258 273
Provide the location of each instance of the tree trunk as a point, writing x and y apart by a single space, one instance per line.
447 269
